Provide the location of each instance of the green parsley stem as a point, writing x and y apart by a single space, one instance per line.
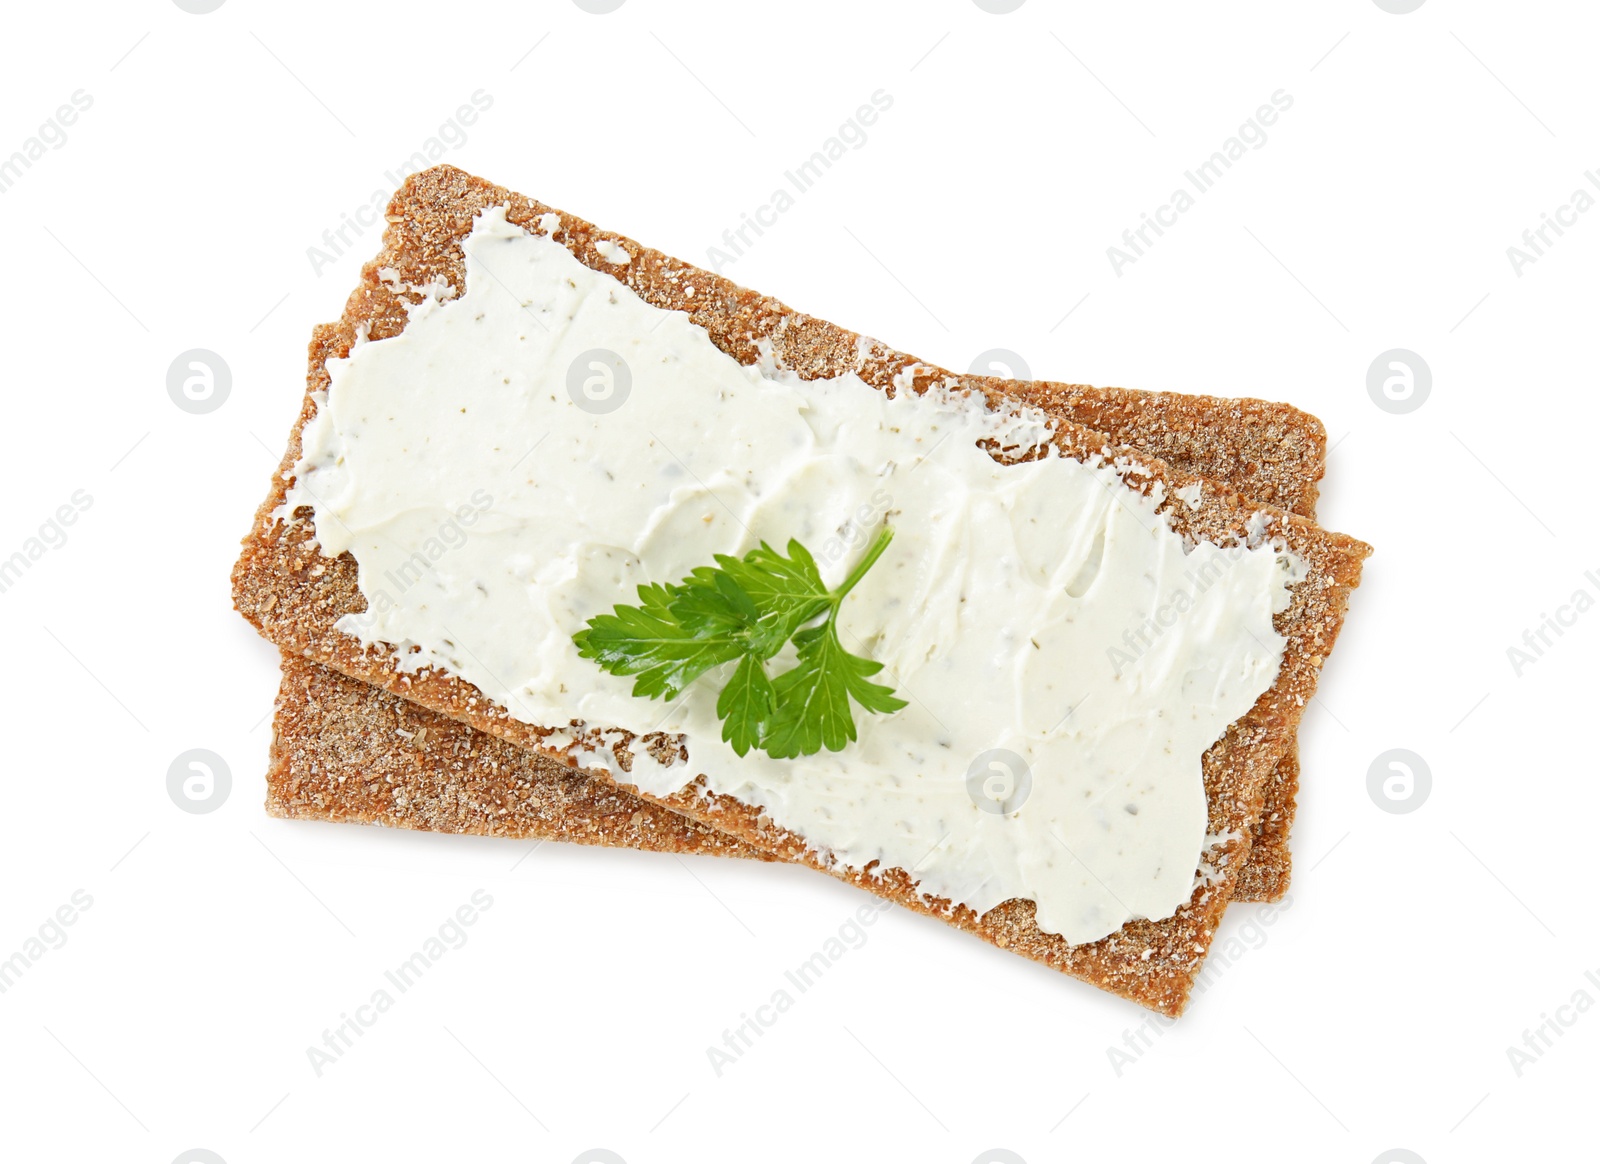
874 552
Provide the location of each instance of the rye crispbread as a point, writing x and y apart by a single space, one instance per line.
294 595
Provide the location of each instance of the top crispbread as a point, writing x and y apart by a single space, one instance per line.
294 595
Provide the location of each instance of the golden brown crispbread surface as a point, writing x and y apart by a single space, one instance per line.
294 595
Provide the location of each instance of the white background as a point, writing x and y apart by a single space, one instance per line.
1378 1009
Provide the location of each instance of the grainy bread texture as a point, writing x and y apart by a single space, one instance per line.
1271 453
294 595
338 756
1265 876
343 750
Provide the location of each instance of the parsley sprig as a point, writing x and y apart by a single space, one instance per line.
747 609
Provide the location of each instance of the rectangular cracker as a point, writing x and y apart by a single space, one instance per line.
332 767
294 595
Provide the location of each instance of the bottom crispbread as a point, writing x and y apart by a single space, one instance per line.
1265 874
346 751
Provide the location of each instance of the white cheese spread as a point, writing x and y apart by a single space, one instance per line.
525 454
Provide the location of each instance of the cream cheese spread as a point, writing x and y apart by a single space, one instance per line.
534 446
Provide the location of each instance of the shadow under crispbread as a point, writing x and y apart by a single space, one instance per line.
295 596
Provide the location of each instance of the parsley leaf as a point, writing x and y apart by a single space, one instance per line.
651 642
746 705
813 697
747 609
